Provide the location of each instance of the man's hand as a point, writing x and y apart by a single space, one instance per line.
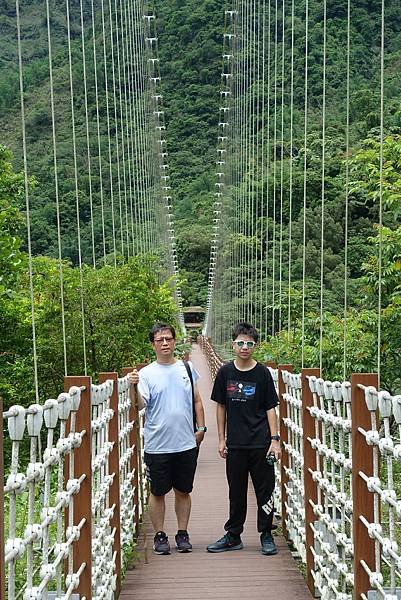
199 435
133 377
223 449
275 449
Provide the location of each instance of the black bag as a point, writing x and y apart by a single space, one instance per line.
188 368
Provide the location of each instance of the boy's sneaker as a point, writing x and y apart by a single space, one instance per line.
182 541
268 546
229 541
161 544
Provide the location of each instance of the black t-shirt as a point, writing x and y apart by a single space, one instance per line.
247 395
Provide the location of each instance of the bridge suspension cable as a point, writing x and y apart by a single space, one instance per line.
269 263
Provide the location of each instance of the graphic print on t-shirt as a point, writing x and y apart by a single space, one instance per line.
240 391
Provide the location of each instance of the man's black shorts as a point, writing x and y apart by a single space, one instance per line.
173 470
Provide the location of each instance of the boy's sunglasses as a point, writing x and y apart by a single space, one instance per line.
241 343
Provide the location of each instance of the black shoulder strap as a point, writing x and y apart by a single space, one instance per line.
188 368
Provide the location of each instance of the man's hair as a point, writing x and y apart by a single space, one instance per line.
160 327
245 329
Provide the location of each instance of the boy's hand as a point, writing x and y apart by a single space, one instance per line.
223 449
275 449
133 377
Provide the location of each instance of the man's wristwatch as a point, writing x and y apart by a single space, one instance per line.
275 437
204 429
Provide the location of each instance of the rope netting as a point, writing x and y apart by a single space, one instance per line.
70 518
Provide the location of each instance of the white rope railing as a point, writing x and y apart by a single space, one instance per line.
28 526
294 484
51 543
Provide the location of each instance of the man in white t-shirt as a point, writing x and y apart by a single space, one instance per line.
171 444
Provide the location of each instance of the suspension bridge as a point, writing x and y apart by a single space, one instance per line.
73 505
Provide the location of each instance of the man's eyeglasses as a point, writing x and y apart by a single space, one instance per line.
164 339
242 343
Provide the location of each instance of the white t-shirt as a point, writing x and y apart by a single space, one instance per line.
166 391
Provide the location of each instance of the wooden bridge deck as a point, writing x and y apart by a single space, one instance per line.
201 575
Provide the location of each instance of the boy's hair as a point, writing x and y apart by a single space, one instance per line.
245 329
160 327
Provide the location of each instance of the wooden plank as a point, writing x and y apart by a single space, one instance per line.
310 486
363 500
2 563
283 431
83 502
114 467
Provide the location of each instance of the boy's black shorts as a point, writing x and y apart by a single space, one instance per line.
172 470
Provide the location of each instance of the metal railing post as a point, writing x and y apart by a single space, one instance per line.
310 486
82 549
2 561
283 431
114 467
363 500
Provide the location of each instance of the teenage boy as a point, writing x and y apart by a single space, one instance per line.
247 429
171 445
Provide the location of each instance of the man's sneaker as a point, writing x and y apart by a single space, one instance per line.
268 546
227 542
161 544
182 541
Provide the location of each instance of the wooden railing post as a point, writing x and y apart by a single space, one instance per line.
283 431
114 467
2 561
82 548
134 440
310 486
363 500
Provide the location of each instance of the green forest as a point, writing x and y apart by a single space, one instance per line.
190 42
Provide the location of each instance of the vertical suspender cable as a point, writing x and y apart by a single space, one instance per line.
74 146
88 150
129 125
291 170
106 91
28 219
252 174
262 174
117 142
120 41
380 273
268 164
56 188
98 132
323 184
305 185
137 151
346 217
280 294
273 327
246 194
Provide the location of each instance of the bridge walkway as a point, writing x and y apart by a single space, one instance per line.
200 575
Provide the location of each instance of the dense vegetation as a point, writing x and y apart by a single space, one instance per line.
190 42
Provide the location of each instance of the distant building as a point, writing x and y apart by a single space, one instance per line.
194 317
